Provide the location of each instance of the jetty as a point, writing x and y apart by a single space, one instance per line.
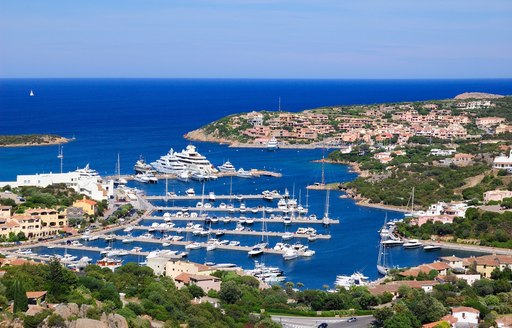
205 197
227 232
255 173
260 220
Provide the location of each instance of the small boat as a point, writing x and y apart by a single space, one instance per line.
76 243
31 94
211 196
219 233
128 229
312 237
392 242
287 220
256 250
291 254
241 173
110 263
249 221
431 247
190 192
193 246
412 243
183 176
128 239
234 243
136 249
211 247
287 236
109 237
356 279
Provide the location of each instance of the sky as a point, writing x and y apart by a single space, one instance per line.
256 39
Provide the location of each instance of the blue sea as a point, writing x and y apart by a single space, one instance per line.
133 117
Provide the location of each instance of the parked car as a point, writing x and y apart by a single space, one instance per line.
323 325
353 319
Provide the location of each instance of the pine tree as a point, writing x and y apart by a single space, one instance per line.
20 297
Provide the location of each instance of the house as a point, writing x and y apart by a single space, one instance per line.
489 121
442 152
206 282
466 316
503 162
5 212
88 206
504 321
36 298
462 159
440 267
175 268
486 264
453 261
394 286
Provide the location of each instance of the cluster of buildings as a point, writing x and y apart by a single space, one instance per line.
41 223
371 125
469 269
440 212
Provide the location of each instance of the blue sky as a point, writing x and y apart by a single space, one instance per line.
256 38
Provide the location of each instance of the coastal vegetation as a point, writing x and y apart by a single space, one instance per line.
147 296
485 228
20 140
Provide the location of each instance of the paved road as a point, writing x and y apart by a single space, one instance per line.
313 322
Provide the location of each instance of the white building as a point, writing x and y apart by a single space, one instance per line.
91 186
466 315
442 152
503 162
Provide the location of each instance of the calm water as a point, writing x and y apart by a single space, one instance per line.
134 117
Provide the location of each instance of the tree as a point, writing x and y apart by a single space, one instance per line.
60 280
230 292
195 291
383 314
20 297
402 320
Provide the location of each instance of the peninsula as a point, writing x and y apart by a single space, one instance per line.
334 126
29 140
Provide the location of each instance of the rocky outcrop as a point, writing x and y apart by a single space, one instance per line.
87 323
67 310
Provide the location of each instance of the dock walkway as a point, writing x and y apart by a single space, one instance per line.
268 220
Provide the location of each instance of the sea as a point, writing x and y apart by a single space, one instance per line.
134 117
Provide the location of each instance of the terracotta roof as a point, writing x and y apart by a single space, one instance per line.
452 258
202 267
425 268
393 286
86 201
464 309
505 321
38 294
187 277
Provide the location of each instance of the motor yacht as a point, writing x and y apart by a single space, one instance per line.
227 167
193 246
169 163
241 173
272 144
412 243
195 162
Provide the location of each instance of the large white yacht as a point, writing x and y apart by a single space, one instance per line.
87 172
169 163
272 144
227 167
194 161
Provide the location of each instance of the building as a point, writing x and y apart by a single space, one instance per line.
503 162
462 159
91 186
34 223
486 264
206 282
453 261
489 121
175 268
442 152
5 212
496 195
504 321
440 267
394 286
466 316
88 206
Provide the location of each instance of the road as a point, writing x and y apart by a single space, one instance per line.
313 322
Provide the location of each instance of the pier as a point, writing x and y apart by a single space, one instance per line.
162 176
205 197
171 242
260 220
228 232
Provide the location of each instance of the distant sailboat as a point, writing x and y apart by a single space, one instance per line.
32 93
326 220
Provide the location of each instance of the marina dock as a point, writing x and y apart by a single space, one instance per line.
229 232
173 243
260 220
205 197
162 176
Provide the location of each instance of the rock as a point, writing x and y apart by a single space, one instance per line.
116 321
83 310
67 310
87 323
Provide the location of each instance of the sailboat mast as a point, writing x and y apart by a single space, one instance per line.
412 205
61 156
323 163
326 213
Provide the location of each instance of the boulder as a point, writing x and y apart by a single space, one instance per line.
83 310
87 323
67 310
116 321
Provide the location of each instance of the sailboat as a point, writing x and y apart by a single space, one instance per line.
411 199
326 221
382 259
119 180
31 93
259 248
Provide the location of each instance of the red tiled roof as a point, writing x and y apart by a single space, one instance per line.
38 294
464 309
